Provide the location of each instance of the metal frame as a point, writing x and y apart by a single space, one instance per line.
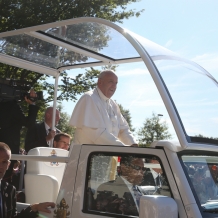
103 60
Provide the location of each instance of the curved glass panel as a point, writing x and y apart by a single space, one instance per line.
195 94
154 50
95 37
40 52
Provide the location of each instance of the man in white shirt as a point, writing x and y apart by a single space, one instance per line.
97 117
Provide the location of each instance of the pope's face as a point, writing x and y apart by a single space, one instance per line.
4 162
108 84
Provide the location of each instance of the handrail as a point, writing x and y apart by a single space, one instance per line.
60 159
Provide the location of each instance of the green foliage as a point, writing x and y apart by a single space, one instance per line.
202 136
153 130
63 124
127 116
16 14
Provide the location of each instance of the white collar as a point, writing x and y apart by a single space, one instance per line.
155 174
127 183
47 127
101 95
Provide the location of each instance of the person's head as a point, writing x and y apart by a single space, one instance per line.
62 140
48 116
107 82
132 169
155 160
5 156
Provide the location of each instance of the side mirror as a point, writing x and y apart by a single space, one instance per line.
157 206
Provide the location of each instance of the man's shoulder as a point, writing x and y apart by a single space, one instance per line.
87 96
90 92
118 180
37 126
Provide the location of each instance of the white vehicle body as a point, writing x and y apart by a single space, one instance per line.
174 156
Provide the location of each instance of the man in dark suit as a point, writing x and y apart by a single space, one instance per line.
155 177
12 120
40 135
124 188
8 192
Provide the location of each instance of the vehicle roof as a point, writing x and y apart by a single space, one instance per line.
74 43
87 42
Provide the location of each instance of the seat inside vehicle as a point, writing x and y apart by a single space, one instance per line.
43 179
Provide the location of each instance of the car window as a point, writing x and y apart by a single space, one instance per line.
116 182
202 172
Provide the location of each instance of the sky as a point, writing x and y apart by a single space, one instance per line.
188 28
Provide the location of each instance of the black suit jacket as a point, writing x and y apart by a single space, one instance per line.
9 203
35 136
11 121
148 179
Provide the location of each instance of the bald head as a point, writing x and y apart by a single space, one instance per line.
107 82
48 116
5 156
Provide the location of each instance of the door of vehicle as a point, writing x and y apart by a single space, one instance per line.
100 165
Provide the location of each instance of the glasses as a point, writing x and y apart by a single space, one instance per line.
64 142
135 167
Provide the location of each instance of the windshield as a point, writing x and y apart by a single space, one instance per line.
195 95
202 172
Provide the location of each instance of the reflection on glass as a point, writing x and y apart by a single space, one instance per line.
95 37
195 95
203 174
40 52
116 183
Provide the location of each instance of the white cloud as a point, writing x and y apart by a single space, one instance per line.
169 43
135 71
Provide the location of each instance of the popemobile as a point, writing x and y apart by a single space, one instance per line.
162 82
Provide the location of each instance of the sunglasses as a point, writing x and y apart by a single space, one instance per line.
135 167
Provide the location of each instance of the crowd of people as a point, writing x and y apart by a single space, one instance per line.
12 119
204 180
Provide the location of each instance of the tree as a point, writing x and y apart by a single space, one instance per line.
63 124
24 13
153 130
202 136
16 14
127 116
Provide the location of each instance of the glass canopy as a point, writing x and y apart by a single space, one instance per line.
189 92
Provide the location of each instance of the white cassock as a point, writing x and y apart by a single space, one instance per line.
98 121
